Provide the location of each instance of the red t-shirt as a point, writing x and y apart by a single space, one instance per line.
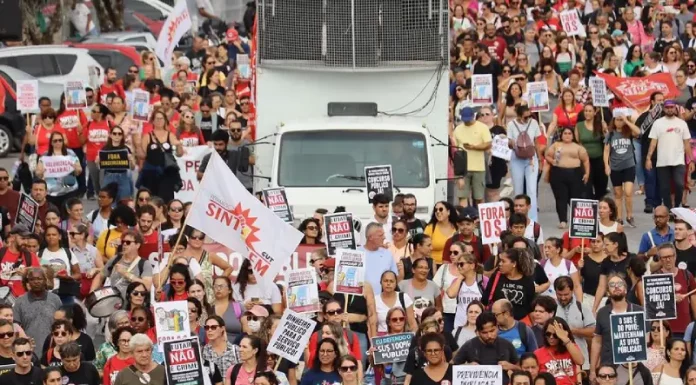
106 89
496 47
149 246
569 243
43 137
113 366
177 297
552 24
97 134
10 200
353 347
191 139
14 282
174 118
567 118
681 286
68 121
560 365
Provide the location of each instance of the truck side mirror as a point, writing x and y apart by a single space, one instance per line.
460 161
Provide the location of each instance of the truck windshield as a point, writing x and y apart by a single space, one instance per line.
338 158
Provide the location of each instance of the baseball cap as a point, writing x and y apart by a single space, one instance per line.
617 32
670 103
259 311
467 114
232 35
468 214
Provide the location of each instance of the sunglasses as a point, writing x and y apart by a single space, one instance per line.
549 335
4 178
133 72
177 282
398 230
128 243
236 130
211 327
55 334
139 293
74 233
253 318
176 209
460 264
334 312
605 376
26 353
454 252
398 319
209 62
198 237
439 209
311 228
9 335
137 319
57 141
349 368
117 133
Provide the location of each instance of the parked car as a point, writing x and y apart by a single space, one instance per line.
125 37
50 90
118 56
51 63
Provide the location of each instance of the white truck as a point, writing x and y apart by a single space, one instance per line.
319 156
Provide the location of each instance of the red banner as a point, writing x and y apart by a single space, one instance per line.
636 92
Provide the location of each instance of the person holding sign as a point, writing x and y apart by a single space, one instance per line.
115 167
60 158
438 371
94 137
559 356
684 284
41 137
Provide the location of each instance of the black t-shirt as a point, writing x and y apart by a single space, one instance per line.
34 377
212 371
416 227
421 378
6 365
207 126
85 342
492 68
691 105
204 92
608 267
519 292
415 359
196 59
688 256
87 374
476 351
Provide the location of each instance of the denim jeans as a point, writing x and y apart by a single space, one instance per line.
124 181
652 188
524 174
640 164
671 176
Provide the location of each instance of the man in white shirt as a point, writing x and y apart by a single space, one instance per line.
670 136
81 18
533 232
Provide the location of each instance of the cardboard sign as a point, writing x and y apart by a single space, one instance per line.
393 348
28 95
183 363
188 169
291 336
57 166
276 200
571 23
500 148
492 221
114 160
171 321
339 232
302 293
379 180
75 95
538 96
584 218
628 337
660 298
349 274
482 90
599 92
140 109
477 375
27 212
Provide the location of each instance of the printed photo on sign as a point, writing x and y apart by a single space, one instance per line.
291 336
584 218
628 337
379 180
477 375
660 298
277 201
339 232
392 348
492 221
482 90
302 292
183 363
538 96
140 109
171 321
349 275
75 95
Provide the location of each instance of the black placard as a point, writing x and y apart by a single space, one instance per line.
339 232
584 218
114 160
660 300
628 337
379 180
182 362
393 348
27 212
276 200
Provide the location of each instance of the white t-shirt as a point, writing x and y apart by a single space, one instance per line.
670 134
467 294
100 223
449 305
529 233
553 272
79 17
382 310
268 294
58 260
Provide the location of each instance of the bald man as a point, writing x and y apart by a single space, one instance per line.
519 334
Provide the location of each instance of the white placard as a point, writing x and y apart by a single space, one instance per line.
28 95
598 87
477 375
482 90
571 23
349 274
291 336
492 221
171 321
188 167
500 148
57 166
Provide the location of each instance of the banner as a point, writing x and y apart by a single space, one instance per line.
75 95
277 201
477 375
660 299
188 169
636 92
349 274
393 348
291 336
655 113
177 24
57 166
628 337
229 214
501 148
302 293
27 95
538 96
572 24
584 218
339 232
599 92
379 180
183 363
492 221
482 90
140 108
114 160
27 212
171 321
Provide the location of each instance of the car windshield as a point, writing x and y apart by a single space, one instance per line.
336 158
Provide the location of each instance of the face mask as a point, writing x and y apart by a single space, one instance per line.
254 326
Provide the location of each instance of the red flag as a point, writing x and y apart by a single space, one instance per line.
636 91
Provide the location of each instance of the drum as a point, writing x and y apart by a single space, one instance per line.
104 302
6 295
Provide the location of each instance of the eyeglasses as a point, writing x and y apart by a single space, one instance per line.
550 335
605 376
139 293
655 329
398 230
439 209
55 334
433 351
176 209
73 233
4 178
253 318
615 285
313 228
127 243
198 237
334 312
124 341
398 319
137 319
326 352
144 199
25 353
460 264
177 282
117 133
349 368
219 287
211 327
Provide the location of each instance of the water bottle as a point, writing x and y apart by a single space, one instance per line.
369 378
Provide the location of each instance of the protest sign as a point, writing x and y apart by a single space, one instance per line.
655 113
175 26
599 92
660 299
571 23
379 180
492 220
302 293
75 95
482 90
27 95
140 109
171 321
538 96
584 218
188 169
339 232
114 160
277 201
628 337
636 91
393 348
57 166
183 364
349 274
291 336
477 375
27 212
500 148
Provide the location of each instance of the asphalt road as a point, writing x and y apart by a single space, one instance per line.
547 211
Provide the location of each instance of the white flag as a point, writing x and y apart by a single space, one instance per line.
229 214
176 25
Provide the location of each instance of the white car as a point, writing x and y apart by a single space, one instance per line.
125 38
52 63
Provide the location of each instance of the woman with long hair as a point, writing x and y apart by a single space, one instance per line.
554 83
564 115
120 176
400 247
348 369
73 123
608 212
558 349
325 366
590 135
215 79
94 137
565 55
529 363
590 268
219 349
422 288
671 59
123 358
159 174
179 283
227 308
250 292
390 299
59 189
197 291
61 331
252 353
440 228
438 370
200 259
194 314
188 133
311 228
656 342
120 117
174 215
620 163
513 98
576 83
467 285
616 250
515 267
555 265
635 271
143 322
634 58
137 295
107 350
673 372
421 245
467 331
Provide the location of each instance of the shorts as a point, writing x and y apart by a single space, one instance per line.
619 177
474 182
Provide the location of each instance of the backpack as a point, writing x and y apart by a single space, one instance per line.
522 330
400 295
141 265
94 215
536 229
25 254
524 145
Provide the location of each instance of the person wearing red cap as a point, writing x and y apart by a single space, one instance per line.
235 45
